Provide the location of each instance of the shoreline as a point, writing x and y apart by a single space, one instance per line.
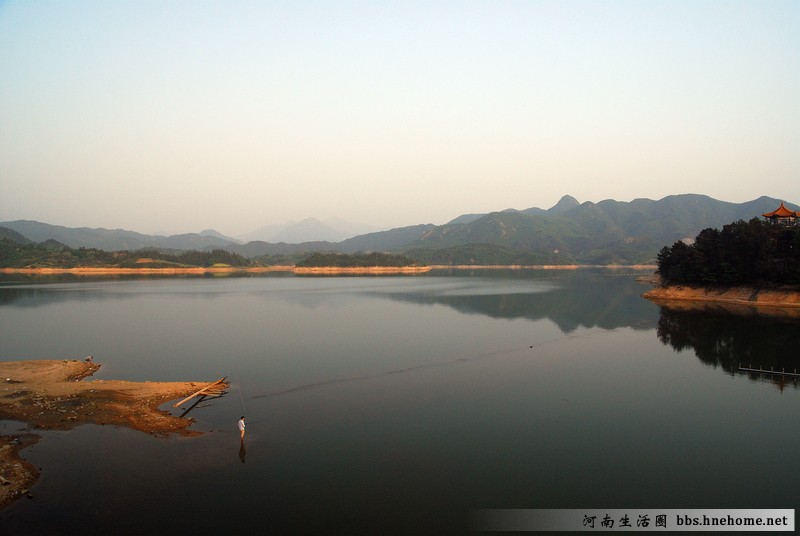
543 266
50 395
786 299
199 270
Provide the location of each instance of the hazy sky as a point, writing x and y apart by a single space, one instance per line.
179 116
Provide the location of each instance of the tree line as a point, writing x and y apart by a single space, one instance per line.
364 260
755 252
51 254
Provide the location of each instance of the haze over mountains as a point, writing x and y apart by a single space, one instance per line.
308 230
569 232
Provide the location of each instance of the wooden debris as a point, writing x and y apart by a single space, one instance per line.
213 389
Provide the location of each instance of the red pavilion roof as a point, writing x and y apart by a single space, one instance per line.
781 212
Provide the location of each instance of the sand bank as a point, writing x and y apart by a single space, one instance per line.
50 395
779 301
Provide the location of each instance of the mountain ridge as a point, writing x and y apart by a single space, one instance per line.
606 232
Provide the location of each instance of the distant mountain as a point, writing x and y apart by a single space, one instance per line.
217 234
191 241
14 236
351 229
384 241
309 230
565 203
381 241
263 234
258 248
466 218
111 239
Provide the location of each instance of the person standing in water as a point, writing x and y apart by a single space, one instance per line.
241 427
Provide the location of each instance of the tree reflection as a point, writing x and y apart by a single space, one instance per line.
730 338
579 298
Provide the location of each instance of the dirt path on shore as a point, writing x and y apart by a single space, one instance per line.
50 395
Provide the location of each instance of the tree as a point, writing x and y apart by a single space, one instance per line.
754 253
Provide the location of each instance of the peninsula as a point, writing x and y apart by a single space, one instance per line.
50 395
754 263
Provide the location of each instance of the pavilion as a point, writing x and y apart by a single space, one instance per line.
783 215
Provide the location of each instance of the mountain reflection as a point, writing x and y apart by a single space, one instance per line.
569 298
734 337
578 298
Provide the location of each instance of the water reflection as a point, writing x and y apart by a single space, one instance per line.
577 298
569 298
426 403
731 338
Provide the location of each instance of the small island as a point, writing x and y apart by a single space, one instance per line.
754 263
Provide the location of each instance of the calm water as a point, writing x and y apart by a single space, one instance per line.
400 404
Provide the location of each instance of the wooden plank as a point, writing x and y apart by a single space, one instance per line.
199 391
213 392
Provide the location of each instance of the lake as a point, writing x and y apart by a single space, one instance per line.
400 404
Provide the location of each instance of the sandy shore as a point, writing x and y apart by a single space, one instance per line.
738 295
50 395
779 302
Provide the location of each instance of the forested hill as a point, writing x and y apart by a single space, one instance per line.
52 254
607 232
115 239
754 253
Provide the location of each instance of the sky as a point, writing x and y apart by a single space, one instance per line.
177 116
